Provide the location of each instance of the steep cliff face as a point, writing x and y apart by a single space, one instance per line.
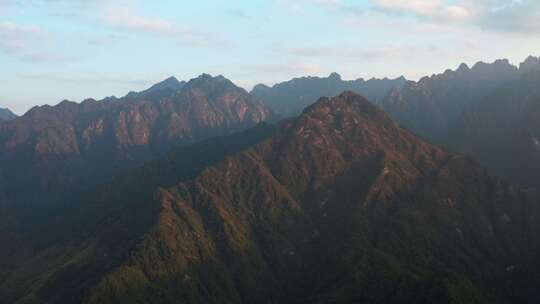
69 146
339 205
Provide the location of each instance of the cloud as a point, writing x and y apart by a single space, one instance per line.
512 16
125 18
20 42
433 10
338 6
15 38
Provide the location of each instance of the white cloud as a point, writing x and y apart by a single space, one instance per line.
26 43
17 40
341 7
434 10
512 16
126 18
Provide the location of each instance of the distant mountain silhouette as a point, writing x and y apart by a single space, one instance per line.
488 111
167 86
291 97
6 114
430 106
338 205
531 64
503 129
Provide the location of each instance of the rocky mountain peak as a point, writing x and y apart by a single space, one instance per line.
332 122
463 67
167 85
6 114
532 63
346 102
498 66
209 82
334 76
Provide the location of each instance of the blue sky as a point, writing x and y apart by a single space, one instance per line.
73 49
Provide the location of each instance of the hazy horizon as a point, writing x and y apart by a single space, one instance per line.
55 50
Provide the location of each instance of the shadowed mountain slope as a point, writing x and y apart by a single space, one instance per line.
430 106
489 111
340 205
58 255
51 153
70 146
503 130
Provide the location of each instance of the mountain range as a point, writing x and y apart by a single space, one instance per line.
289 98
167 86
503 130
432 104
487 111
70 146
341 181
391 218
201 192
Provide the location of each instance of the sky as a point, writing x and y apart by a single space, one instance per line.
51 50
